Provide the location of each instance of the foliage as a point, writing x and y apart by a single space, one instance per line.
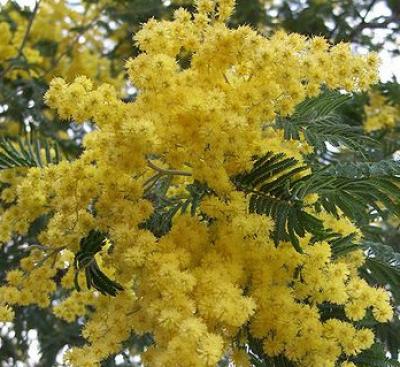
28 153
85 259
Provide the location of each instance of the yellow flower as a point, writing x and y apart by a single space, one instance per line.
6 314
203 278
379 112
354 311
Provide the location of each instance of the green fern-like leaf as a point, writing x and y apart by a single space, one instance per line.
343 245
375 357
85 260
28 152
275 189
166 208
291 221
382 266
357 170
269 185
321 122
355 197
388 334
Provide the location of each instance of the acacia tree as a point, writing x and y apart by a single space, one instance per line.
201 213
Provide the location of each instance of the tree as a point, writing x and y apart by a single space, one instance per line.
204 216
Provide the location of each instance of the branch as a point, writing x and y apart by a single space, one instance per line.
55 252
372 25
167 172
24 40
74 42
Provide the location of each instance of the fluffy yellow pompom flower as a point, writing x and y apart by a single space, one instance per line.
6 314
7 48
347 364
213 279
379 113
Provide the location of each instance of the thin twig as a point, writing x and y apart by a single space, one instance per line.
36 245
150 183
49 255
167 172
74 42
363 24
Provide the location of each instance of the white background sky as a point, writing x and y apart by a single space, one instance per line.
390 65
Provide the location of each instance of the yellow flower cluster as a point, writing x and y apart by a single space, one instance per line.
30 285
341 225
206 288
379 113
54 20
209 115
7 49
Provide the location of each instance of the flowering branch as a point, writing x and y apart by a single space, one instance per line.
24 40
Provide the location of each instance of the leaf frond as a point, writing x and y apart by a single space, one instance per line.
28 152
320 121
